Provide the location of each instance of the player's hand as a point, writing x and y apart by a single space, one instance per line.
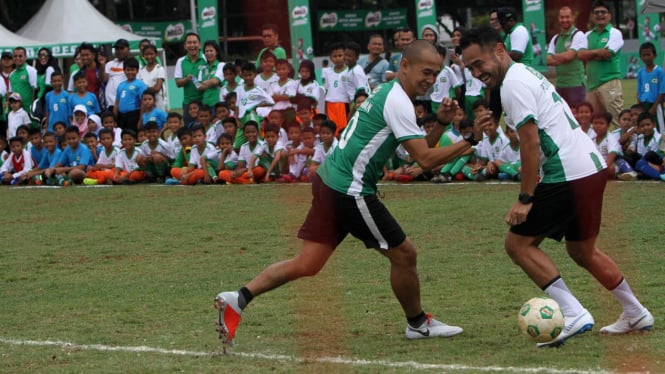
447 110
517 214
482 120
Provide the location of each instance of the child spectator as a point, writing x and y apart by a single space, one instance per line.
15 169
230 126
451 136
335 83
22 132
231 81
445 85
420 108
304 113
360 98
309 142
276 118
509 163
228 158
17 116
193 111
197 168
74 160
296 153
222 112
626 131
487 152
269 155
80 119
81 96
213 131
104 170
181 162
283 90
108 122
94 124
231 99
239 175
56 102
150 111
307 86
584 113
357 79
156 154
173 125
127 106
324 149
651 85
253 101
266 76
59 131
153 75
90 141
37 150
650 164
127 169
474 90
3 150
49 158
608 146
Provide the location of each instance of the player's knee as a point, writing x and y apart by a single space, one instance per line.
405 254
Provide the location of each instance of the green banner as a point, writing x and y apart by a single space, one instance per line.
534 21
208 20
425 15
362 19
69 49
648 27
300 25
169 32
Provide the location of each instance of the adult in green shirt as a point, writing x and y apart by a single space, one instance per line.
187 70
603 56
23 79
345 201
270 37
562 54
517 38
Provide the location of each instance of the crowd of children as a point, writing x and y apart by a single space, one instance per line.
270 127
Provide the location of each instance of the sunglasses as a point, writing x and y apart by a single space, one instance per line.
600 12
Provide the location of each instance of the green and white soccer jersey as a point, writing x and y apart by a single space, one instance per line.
384 120
489 149
566 152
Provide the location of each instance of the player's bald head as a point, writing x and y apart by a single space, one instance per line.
417 49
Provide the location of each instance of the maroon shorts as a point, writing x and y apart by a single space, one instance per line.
568 209
333 215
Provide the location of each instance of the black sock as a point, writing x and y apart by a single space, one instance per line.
417 320
244 297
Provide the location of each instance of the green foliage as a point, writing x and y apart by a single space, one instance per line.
140 266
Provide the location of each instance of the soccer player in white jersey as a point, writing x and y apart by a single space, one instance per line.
568 199
344 195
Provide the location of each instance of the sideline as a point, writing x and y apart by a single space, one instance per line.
284 358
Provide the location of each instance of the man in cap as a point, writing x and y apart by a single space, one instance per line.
517 38
114 72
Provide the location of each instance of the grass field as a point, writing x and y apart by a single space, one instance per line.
127 276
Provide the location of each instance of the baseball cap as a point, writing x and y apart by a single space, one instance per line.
7 54
15 96
121 43
506 13
80 108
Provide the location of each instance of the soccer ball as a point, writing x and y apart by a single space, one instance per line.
541 319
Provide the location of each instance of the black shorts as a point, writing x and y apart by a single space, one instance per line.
334 215
568 209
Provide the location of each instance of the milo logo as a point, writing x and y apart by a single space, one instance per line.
373 19
299 12
328 20
174 32
208 13
424 4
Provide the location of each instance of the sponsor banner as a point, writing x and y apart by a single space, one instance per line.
425 15
534 21
300 26
63 50
169 32
362 19
648 27
208 20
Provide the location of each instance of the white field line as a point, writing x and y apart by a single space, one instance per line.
284 358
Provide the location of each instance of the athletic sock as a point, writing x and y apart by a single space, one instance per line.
631 306
244 297
417 320
558 291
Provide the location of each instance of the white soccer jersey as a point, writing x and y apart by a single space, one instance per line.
474 87
519 39
335 85
214 132
357 80
127 162
195 155
445 81
310 90
174 143
321 153
509 154
300 160
566 152
249 100
490 150
608 144
643 145
264 83
8 165
578 42
246 152
288 89
108 158
263 150
162 147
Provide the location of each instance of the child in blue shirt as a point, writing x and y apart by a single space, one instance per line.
651 84
56 102
74 160
151 113
37 149
48 160
127 107
82 96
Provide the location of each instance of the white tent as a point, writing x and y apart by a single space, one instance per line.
653 6
9 41
64 24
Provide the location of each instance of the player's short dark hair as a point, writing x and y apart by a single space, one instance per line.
46 134
332 126
229 66
251 123
15 139
221 104
648 45
230 120
205 108
151 125
335 46
149 92
106 114
483 36
183 131
34 131
599 4
248 66
61 124
465 123
428 117
271 128
320 116
643 116
480 103
130 63
79 75
129 132
270 26
604 115
89 134
353 46
56 73
106 131
174 115
266 55
225 136
72 129
198 127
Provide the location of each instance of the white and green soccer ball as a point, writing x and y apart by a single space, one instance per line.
541 319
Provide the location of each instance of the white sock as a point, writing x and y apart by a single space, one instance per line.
569 304
631 306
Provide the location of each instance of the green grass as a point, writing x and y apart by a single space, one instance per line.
140 266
